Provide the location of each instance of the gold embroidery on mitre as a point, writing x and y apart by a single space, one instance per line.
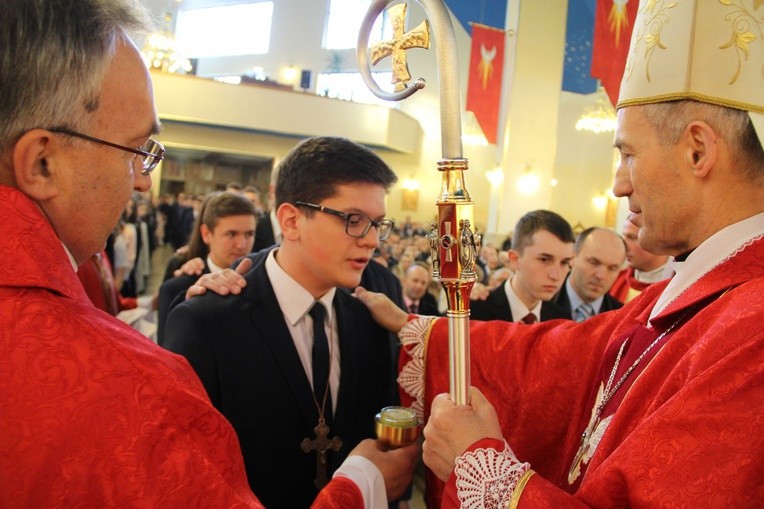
650 34
741 20
710 51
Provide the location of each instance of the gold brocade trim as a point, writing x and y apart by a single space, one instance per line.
678 96
515 499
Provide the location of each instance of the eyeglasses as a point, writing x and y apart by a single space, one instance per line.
151 153
356 225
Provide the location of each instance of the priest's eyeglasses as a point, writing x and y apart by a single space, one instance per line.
151 153
356 225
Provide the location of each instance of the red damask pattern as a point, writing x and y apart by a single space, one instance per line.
689 431
93 414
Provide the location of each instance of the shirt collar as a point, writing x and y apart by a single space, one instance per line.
713 251
517 307
294 300
70 255
576 300
214 268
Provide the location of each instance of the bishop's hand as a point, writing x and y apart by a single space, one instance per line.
453 428
384 311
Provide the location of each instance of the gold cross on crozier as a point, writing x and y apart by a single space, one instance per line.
401 41
321 444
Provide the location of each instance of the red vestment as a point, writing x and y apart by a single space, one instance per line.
689 430
626 286
93 414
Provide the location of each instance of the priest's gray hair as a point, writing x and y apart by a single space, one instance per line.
53 58
670 119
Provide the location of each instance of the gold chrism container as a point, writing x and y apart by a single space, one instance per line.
397 426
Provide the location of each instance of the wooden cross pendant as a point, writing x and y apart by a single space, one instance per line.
321 444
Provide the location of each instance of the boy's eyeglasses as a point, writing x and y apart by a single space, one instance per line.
356 225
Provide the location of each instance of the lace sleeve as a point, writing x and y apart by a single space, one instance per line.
487 478
413 338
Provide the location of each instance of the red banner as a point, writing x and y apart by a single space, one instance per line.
484 85
613 24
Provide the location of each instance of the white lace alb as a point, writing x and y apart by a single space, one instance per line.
486 478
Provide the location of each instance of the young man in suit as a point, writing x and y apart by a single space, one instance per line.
541 254
261 355
600 254
224 232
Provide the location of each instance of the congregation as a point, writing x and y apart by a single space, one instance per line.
173 222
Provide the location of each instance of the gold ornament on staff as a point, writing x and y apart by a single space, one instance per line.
453 241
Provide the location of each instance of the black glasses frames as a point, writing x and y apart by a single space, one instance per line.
151 153
356 225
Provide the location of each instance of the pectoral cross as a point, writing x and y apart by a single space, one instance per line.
321 444
401 41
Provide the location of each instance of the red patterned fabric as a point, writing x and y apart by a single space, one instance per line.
340 493
626 286
689 431
92 414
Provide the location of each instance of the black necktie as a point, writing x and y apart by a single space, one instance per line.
320 357
413 309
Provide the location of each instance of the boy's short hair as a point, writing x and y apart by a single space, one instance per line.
313 169
537 220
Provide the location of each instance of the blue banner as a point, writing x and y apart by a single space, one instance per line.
576 75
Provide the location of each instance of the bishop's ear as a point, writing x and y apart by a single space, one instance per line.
35 155
701 148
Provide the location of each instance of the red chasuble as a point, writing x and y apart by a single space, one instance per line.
626 286
93 414
685 429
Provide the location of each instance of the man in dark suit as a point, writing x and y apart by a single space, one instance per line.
268 230
294 353
416 298
264 233
223 233
600 254
541 254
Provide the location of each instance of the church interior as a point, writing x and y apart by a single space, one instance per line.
232 117
231 113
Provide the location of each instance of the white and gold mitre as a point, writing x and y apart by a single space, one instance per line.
707 50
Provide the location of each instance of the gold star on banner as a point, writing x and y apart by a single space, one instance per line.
618 19
485 67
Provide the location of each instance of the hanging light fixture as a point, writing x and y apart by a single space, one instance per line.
160 51
599 118
528 182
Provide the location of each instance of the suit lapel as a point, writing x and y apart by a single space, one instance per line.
268 321
500 302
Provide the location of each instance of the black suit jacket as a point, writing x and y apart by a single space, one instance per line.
263 233
609 303
428 305
168 291
496 307
242 351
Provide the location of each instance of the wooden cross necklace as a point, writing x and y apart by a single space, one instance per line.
322 442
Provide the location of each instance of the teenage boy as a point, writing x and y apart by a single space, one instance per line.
265 356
